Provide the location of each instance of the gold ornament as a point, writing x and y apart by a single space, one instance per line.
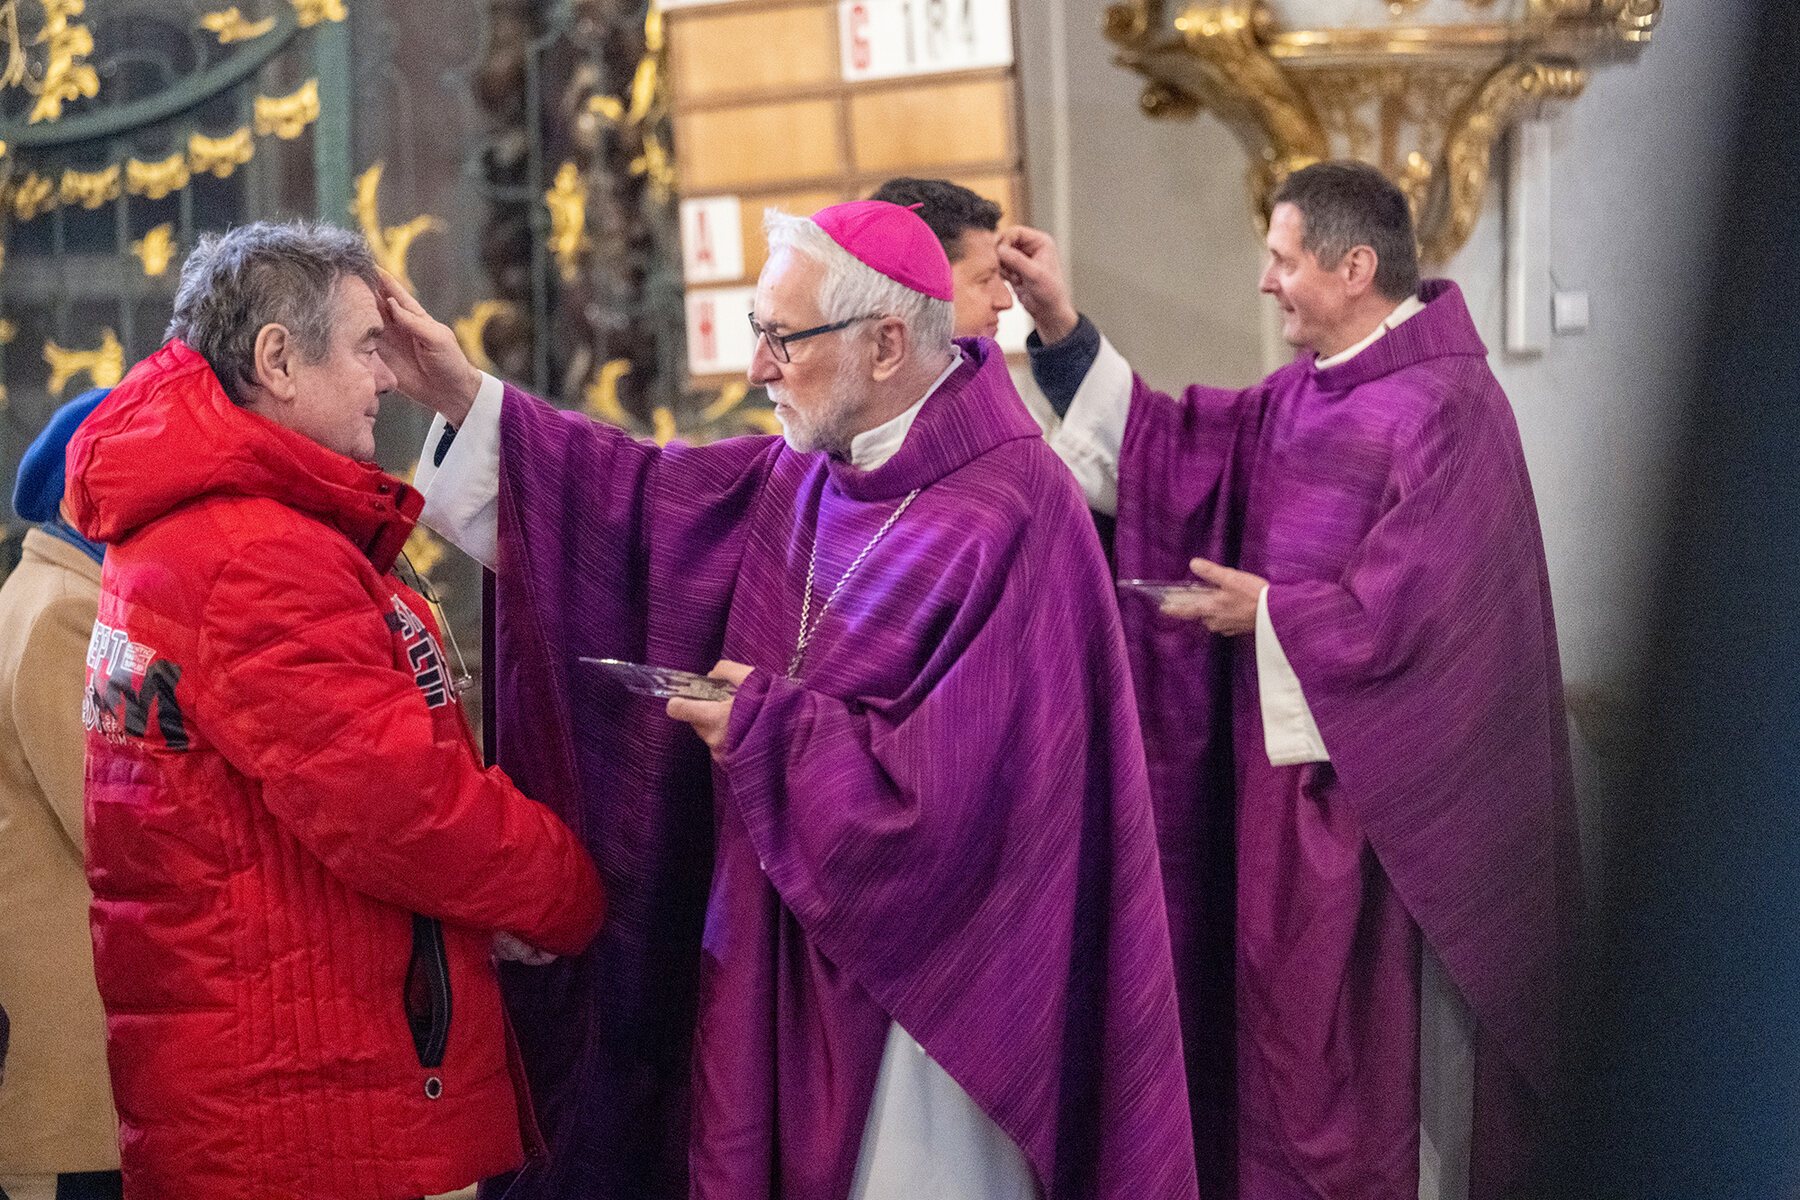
155 180
220 155
602 395
642 97
90 189
156 249
33 196
646 80
730 413
662 426
390 244
1506 95
1638 19
471 331
1425 103
567 201
105 365
18 67
311 12
657 167
288 116
66 77
230 25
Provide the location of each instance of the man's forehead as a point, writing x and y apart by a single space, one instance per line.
358 304
355 313
977 247
1287 221
787 291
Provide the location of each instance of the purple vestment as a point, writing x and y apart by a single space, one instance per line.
945 821
1386 501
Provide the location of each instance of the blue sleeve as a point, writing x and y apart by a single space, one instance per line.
1060 367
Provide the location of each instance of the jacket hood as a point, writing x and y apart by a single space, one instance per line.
168 436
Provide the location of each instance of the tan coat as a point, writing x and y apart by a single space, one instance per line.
56 1111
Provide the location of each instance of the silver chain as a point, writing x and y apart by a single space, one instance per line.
809 621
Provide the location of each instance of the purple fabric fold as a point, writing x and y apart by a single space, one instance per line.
932 826
1387 501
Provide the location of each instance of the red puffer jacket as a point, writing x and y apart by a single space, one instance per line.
298 863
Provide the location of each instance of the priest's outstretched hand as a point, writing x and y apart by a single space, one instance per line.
1029 261
710 717
427 361
1227 607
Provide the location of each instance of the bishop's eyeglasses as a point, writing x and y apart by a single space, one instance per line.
779 342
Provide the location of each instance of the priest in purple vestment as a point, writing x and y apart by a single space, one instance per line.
1355 729
887 921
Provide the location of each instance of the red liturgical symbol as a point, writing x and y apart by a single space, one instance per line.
860 52
707 328
703 249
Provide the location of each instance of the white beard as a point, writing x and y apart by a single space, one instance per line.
830 428
797 434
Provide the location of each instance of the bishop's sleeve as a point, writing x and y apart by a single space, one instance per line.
459 476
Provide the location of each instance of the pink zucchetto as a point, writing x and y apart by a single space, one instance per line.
893 240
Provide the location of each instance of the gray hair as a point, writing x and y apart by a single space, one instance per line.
853 289
1347 204
267 273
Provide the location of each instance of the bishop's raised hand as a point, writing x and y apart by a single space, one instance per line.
427 361
711 718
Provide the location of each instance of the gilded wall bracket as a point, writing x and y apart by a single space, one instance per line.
1426 97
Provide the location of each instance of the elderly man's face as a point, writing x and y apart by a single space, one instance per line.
817 393
981 295
336 399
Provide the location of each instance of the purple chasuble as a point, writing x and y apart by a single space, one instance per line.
945 821
1386 501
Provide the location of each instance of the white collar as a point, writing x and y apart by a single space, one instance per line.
873 447
1412 306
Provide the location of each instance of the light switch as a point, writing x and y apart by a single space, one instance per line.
1569 312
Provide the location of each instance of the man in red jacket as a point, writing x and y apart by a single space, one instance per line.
299 865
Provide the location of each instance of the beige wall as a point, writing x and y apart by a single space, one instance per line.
1152 215
1635 185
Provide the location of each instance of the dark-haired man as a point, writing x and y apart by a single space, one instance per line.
1355 727
967 226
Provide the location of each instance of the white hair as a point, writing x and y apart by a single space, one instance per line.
854 289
